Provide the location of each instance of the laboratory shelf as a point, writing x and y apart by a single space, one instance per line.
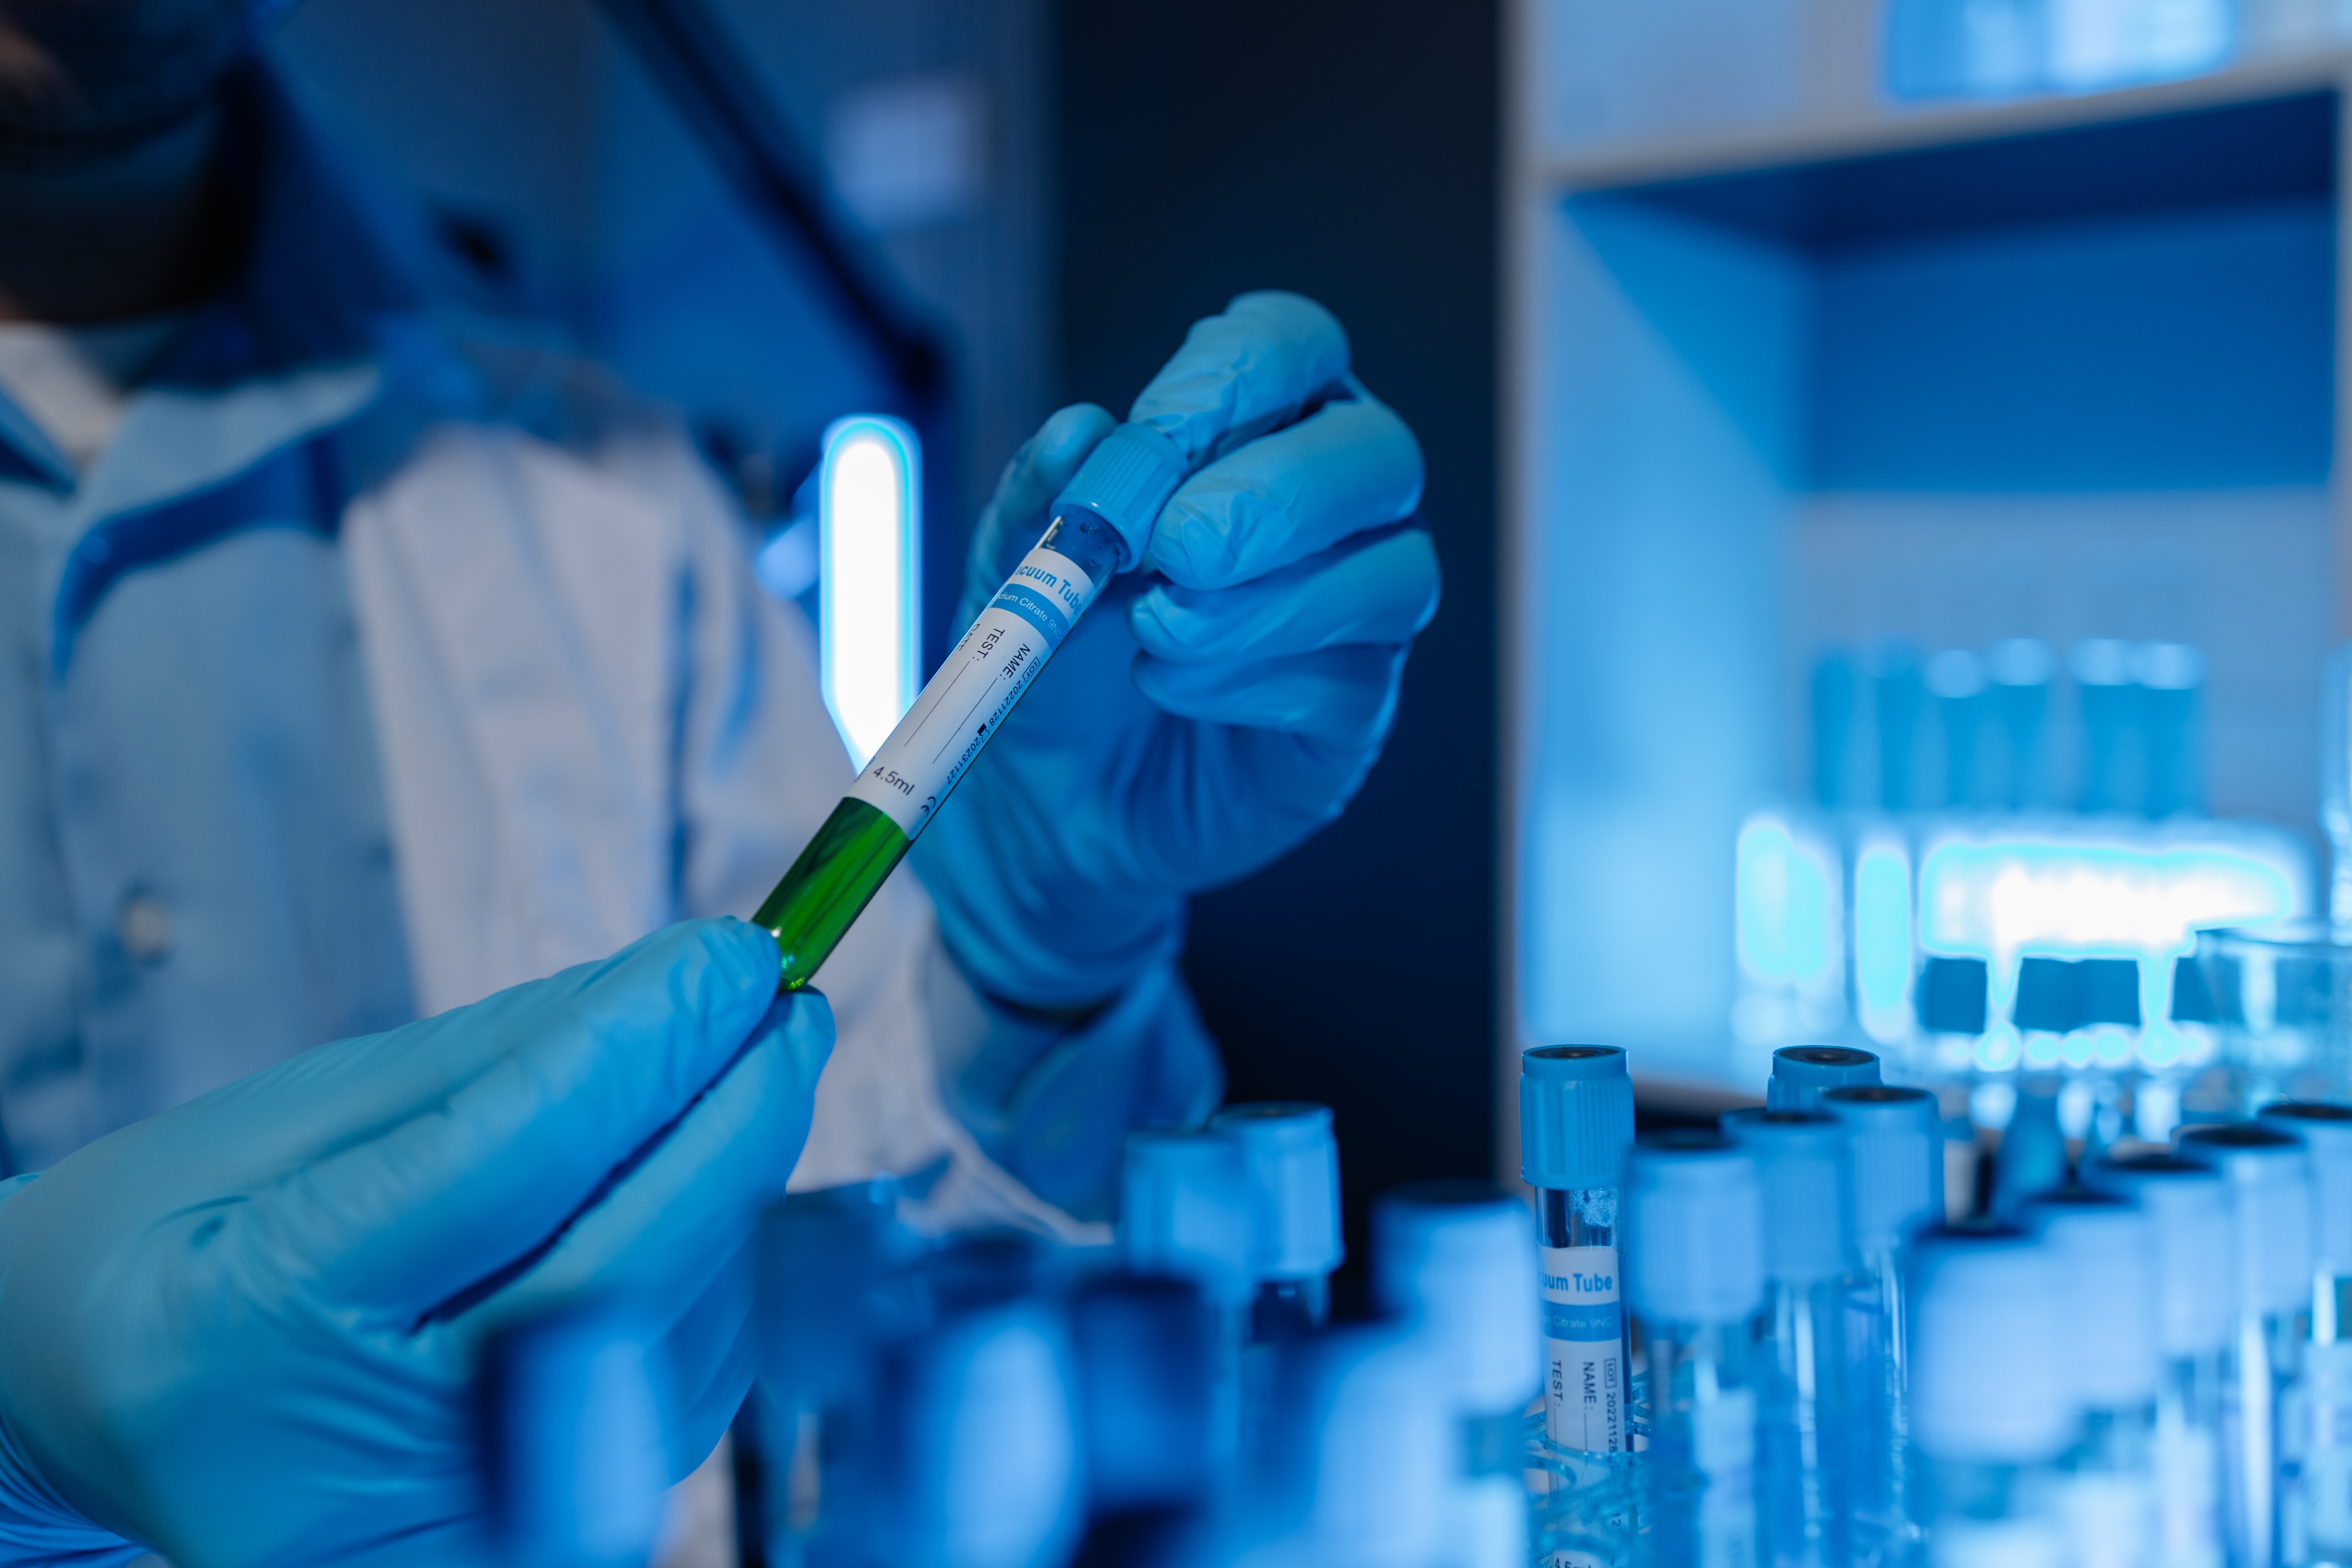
1884 126
2057 366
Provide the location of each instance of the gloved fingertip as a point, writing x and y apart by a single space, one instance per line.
1065 438
744 955
801 1022
1293 314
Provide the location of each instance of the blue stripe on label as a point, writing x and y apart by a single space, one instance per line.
1595 1324
1036 609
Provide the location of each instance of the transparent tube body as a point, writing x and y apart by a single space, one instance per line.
1588 1350
1487 1509
816 1507
1700 1496
1995 1516
2187 1458
2109 1490
2257 1368
1805 1439
1883 1473
963 705
2316 1434
1287 1309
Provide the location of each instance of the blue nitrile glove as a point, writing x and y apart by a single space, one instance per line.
1214 709
244 1331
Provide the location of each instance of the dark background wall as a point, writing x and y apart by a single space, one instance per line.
1344 149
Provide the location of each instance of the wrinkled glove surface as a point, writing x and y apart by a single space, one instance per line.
1214 708
244 1331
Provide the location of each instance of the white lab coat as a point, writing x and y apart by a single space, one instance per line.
544 627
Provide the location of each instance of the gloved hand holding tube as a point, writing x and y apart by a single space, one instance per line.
244 1332
1261 501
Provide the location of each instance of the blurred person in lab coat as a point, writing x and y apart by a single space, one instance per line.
362 656
365 657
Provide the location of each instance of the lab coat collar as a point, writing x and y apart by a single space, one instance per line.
335 330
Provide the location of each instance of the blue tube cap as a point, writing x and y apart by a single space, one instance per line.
1801 1156
1576 1116
1894 1143
1802 1074
1126 481
1291 1162
1696 1202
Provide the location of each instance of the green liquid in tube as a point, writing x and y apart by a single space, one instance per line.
838 874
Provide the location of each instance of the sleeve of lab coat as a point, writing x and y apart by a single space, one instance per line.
1022 1117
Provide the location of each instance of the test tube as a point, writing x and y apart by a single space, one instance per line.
1805 1456
2268 1178
2114 732
2104 1247
1955 679
2031 1158
2316 1417
2187 1209
1292 1164
1184 1214
1101 525
1695 1269
1456 1260
572 1440
1894 1143
1993 1407
2170 676
819 1266
1576 1121
1147 1356
2022 669
1359 1470
1802 1074
981 1454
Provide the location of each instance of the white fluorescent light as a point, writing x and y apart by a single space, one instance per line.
870 584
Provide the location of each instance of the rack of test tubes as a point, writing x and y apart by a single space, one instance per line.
2004 877
1809 1335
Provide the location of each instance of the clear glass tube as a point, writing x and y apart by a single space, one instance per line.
959 708
1995 1516
1803 1434
1700 1491
1884 1477
1588 1349
2109 1490
1287 1309
2316 1434
2257 1368
2187 1458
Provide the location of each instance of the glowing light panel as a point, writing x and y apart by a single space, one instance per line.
870 577
1882 941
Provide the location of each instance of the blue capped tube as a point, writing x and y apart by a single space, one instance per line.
2187 1206
827 1291
981 1454
1894 1152
1993 1408
1291 1162
2267 1174
572 1440
2316 1424
2106 1253
1808 1261
1148 1358
1576 1123
1802 1074
1696 1273
1456 1262
1185 1214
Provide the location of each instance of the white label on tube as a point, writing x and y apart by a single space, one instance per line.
963 704
1584 1350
